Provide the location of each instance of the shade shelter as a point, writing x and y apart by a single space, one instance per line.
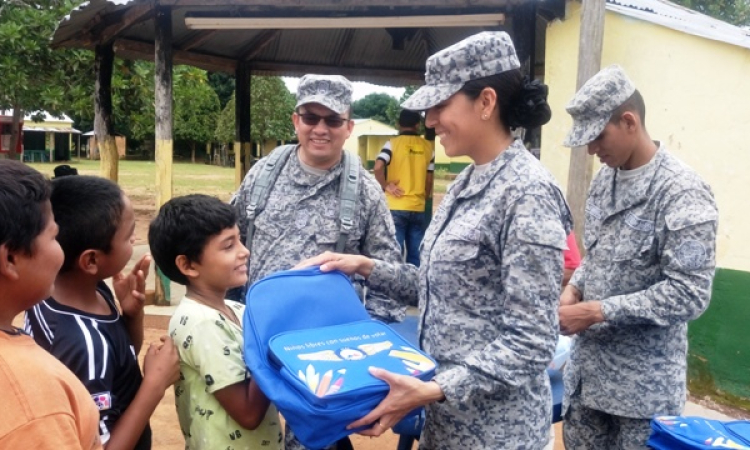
379 41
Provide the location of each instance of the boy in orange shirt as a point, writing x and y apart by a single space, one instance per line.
44 406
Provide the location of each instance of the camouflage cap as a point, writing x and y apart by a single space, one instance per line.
332 91
478 56
593 104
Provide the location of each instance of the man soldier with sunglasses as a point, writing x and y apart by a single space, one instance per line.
301 216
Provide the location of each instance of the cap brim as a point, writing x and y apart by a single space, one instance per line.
585 131
430 95
324 100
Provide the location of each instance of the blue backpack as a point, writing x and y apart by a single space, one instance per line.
697 433
309 343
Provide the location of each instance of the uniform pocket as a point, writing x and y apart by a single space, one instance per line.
636 241
460 243
327 237
272 222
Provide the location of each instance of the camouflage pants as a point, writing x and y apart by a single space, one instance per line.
585 428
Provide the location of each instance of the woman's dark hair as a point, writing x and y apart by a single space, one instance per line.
522 102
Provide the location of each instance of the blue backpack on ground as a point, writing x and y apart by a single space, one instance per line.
697 433
309 343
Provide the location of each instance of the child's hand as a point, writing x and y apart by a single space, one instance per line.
161 364
131 289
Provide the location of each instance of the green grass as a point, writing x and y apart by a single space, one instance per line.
138 178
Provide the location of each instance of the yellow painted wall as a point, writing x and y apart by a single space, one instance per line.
369 127
696 94
366 127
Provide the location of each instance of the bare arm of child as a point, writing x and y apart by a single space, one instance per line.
245 403
130 291
161 369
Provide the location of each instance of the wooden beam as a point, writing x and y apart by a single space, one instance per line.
241 120
257 44
143 50
83 35
301 69
195 39
338 4
524 34
104 57
581 166
133 15
163 103
343 47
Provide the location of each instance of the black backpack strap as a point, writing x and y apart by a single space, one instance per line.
348 199
262 185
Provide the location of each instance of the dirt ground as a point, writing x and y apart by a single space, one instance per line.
143 206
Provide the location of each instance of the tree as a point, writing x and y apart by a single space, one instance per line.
35 77
736 12
271 108
225 132
376 106
196 107
133 99
223 85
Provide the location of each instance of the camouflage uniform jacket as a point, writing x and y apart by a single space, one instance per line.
650 261
489 284
301 220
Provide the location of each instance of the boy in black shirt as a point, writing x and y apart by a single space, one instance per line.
82 325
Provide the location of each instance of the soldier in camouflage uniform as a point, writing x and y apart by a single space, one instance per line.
301 215
650 237
492 262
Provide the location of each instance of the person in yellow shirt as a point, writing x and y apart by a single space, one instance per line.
407 182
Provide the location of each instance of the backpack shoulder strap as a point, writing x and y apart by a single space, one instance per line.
262 185
348 199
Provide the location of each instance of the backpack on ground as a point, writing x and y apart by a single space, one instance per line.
697 433
309 343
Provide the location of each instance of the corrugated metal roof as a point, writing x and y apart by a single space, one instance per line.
676 17
44 115
31 126
362 54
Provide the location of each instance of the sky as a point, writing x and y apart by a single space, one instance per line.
361 89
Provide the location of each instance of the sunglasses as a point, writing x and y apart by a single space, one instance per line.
312 120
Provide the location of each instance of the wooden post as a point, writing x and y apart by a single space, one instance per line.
104 57
164 123
581 166
524 36
242 141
